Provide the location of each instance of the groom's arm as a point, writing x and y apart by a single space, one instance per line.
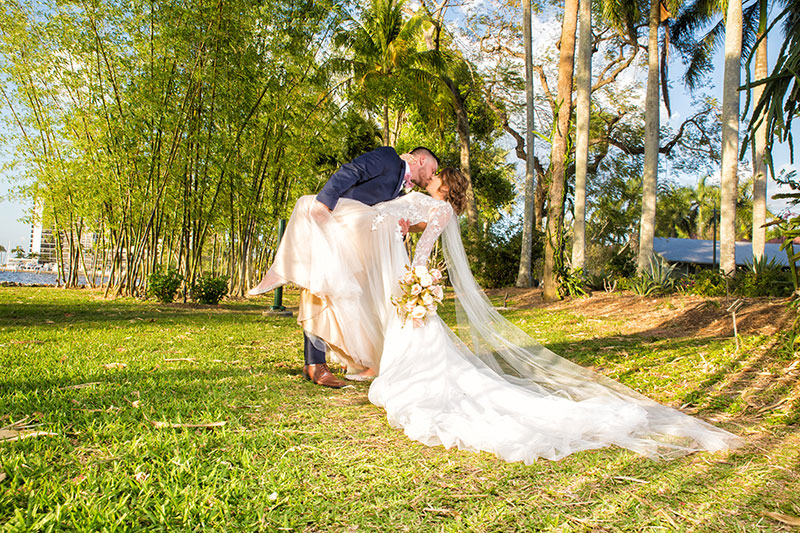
360 169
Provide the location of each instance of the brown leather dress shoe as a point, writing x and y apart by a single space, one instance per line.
321 375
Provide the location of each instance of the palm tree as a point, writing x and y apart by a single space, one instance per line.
647 226
555 208
385 57
760 145
704 205
698 53
779 104
584 82
625 14
525 275
730 137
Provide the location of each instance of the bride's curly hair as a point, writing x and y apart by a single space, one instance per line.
456 183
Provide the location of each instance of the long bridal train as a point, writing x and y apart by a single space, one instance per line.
490 388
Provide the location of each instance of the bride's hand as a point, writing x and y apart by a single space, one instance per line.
404 226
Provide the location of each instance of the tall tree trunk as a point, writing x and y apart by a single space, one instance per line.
759 164
582 132
647 225
730 137
525 274
462 127
555 208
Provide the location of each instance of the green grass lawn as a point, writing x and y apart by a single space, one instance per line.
292 456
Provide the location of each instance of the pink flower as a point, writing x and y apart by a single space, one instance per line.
416 289
437 292
436 274
418 322
408 277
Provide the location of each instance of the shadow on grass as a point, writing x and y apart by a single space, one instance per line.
26 315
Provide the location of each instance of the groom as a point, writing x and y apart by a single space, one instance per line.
371 178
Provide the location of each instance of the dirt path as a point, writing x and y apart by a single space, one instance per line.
670 316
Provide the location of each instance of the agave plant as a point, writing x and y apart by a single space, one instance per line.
642 286
657 279
760 266
660 274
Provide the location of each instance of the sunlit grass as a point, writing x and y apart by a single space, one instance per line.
295 456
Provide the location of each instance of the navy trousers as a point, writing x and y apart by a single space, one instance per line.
313 355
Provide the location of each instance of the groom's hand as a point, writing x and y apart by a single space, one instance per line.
320 212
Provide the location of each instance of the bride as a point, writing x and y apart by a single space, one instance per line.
492 387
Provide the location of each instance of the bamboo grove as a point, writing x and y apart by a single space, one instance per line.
174 132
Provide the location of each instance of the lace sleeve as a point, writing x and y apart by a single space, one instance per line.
437 220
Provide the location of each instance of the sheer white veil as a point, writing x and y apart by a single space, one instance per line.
513 354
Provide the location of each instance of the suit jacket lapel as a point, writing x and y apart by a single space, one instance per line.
400 179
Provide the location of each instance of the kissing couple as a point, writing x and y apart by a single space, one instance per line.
491 387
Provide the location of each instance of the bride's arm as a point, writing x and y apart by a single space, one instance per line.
438 219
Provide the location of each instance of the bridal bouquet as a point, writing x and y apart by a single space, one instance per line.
421 294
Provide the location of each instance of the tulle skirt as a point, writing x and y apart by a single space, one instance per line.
348 267
439 393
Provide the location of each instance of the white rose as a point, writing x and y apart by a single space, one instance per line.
419 312
426 280
421 270
408 277
416 289
427 298
410 306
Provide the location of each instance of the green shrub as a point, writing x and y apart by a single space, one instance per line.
622 264
210 289
762 278
624 283
600 282
706 282
163 285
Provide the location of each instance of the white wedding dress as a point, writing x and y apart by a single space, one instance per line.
492 388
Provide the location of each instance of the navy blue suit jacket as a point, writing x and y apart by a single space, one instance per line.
374 177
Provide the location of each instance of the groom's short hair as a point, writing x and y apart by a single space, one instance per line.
422 150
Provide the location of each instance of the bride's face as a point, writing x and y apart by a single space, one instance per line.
436 188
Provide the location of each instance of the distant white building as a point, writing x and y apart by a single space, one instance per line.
43 241
701 252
